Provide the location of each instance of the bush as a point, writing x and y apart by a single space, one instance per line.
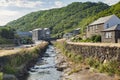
86 40
76 39
93 38
96 38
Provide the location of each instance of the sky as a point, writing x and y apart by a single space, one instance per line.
13 9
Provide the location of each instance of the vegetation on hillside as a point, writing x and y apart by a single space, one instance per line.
60 20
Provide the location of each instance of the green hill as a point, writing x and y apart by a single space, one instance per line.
59 20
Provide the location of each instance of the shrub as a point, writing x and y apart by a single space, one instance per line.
86 40
76 39
93 37
96 38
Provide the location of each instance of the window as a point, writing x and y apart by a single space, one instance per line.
108 35
107 25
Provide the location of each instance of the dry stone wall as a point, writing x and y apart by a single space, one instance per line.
96 51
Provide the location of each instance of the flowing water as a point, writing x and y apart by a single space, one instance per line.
45 69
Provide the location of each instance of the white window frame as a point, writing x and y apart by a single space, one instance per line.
108 34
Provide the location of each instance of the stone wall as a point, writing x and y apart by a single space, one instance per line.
97 50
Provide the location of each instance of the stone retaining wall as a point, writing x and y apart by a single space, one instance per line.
96 50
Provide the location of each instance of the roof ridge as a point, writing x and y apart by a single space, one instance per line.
102 19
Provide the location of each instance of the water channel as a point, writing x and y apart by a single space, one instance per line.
44 69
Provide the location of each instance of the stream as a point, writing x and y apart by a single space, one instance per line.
44 69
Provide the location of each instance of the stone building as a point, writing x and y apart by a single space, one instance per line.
111 34
41 34
107 27
101 24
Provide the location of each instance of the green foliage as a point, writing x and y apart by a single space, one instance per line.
10 70
76 39
26 40
73 57
1 76
5 41
112 67
92 62
16 61
60 20
96 38
86 40
7 33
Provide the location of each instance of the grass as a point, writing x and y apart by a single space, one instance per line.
73 57
21 57
111 67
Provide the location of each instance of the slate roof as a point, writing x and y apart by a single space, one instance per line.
102 20
113 28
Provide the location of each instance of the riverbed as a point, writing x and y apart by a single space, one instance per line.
45 69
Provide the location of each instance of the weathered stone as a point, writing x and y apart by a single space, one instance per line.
99 52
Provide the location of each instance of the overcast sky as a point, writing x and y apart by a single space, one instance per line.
13 9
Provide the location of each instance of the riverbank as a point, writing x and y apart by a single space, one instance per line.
73 71
14 66
75 68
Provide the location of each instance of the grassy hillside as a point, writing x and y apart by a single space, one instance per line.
59 20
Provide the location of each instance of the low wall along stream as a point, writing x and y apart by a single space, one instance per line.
96 50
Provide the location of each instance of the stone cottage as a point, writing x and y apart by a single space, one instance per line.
101 24
111 34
